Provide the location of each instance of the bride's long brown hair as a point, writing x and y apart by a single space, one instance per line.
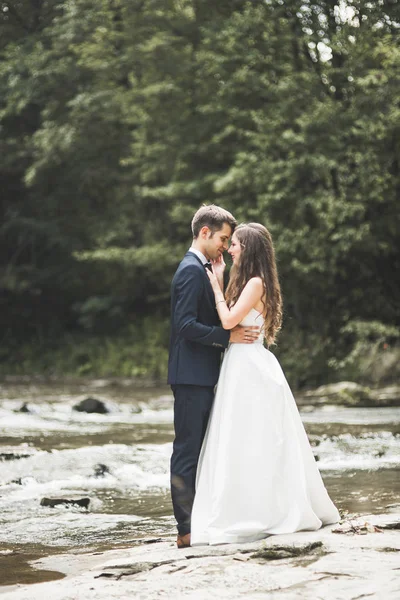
257 259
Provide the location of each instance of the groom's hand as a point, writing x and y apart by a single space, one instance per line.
244 334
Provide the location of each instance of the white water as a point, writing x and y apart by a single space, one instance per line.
51 417
131 499
367 451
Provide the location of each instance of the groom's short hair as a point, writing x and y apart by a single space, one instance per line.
213 217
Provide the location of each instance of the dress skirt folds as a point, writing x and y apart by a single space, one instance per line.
256 474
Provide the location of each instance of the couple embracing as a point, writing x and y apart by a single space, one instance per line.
242 467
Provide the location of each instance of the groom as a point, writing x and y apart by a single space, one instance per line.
197 341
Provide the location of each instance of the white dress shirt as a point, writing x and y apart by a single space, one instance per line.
199 254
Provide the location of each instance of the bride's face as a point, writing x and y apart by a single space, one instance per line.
235 248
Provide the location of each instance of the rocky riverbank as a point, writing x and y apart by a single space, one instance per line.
344 393
357 559
107 443
349 393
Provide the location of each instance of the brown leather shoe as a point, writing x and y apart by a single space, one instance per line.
183 541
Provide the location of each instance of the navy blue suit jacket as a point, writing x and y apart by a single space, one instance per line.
197 338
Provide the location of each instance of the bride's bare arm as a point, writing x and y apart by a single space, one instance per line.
249 298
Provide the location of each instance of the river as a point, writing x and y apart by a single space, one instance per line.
120 461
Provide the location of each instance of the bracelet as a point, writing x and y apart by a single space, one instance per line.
219 302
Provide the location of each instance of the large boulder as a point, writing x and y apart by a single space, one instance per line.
91 405
346 393
387 396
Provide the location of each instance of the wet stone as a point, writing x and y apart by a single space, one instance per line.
349 393
91 405
22 481
119 571
100 470
53 502
282 552
12 455
345 393
388 396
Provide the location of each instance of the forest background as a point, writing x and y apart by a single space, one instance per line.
119 118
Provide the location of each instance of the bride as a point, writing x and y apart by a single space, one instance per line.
256 474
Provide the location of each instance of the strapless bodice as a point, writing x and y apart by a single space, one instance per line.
254 318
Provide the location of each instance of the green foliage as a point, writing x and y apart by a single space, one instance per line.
139 351
118 118
373 352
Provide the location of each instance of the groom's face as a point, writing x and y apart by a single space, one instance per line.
217 243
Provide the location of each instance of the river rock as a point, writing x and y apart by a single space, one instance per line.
24 480
349 393
13 455
346 393
387 396
52 502
119 571
91 405
277 552
100 470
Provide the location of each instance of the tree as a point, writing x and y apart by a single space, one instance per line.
120 117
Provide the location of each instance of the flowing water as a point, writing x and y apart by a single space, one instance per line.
120 461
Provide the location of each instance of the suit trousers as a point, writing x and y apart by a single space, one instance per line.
191 414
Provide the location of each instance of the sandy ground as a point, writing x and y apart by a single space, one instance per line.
332 566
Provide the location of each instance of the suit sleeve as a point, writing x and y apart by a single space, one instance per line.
189 288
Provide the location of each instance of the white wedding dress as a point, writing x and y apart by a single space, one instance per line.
257 474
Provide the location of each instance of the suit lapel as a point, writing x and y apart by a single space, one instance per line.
193 255
208 288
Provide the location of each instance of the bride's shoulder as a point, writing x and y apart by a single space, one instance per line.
254 289
255 283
